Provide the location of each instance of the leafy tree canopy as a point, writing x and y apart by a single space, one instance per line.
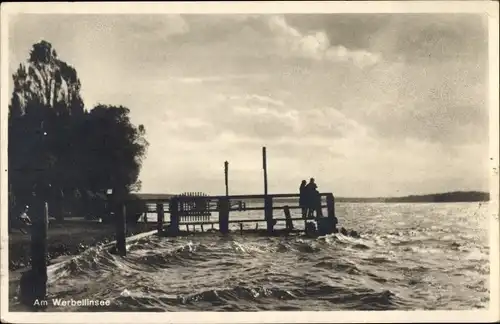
57 146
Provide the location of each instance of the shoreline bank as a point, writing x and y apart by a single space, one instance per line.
69 238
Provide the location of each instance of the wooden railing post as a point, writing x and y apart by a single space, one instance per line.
330 205
33 283
121 227
224 215
268 213
174 216
288 217
160 216
319 208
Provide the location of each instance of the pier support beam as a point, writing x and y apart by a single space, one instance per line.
174 216
33 283
121 228
288 217
268 213
330 206
224 215
161 218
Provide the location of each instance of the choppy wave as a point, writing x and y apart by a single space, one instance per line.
409 257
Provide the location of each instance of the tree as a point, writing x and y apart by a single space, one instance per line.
61 149
113 150
45 103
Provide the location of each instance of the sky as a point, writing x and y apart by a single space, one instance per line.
367 104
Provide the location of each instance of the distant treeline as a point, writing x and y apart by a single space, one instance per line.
455 196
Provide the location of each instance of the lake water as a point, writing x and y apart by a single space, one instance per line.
409 256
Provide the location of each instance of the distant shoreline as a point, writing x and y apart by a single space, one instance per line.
455 196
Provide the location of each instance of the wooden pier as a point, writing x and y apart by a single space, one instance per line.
196 208
191 209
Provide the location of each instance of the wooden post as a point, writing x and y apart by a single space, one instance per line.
121 228
264 166
57 204
202 230
289 223
330 206
241 228
174 216
268 213
224 215
319 209
226 169
187 228
33 283
161 217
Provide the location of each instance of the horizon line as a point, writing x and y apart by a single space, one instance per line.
345 197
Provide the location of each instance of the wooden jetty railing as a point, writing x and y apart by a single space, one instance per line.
193 209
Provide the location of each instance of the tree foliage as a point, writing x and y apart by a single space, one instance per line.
62 150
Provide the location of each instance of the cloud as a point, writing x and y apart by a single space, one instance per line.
217 78
266 36
315 45
252 98
148 27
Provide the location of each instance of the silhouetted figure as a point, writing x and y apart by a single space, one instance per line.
303 198
316 203
310 191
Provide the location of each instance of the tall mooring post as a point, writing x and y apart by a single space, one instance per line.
268 201
160 213
121 228
224 215
174 216
33 283
226 169
264 166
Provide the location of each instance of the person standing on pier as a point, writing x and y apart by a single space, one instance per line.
303 198
311 192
